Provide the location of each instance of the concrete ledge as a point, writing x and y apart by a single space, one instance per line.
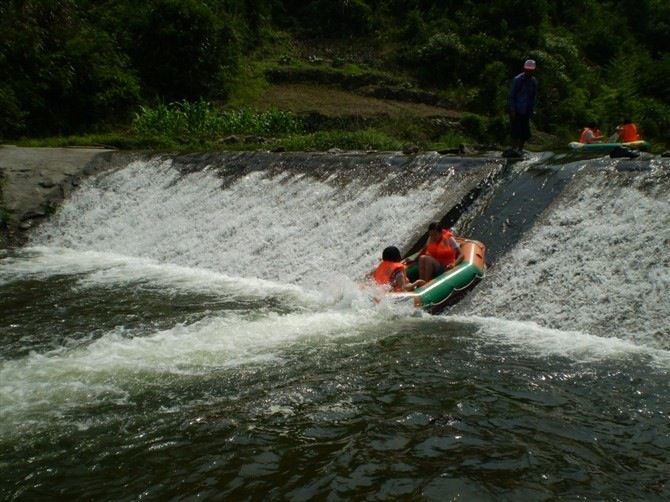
34 181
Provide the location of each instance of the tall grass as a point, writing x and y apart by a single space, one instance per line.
201 123
367 139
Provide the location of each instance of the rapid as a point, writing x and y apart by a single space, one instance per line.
195 326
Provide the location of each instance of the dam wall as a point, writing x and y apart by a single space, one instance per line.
34 182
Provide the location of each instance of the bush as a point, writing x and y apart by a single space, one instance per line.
412 29
367 139
103 87
11 116
440 61
474 126
199 122
653 119
36 74
272 121
180 47
492 95
655 77
601 36
498 128
337 18
451 139
407 128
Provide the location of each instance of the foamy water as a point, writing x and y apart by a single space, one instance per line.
180 339
597 263
286 227
117 365
530 338
105 269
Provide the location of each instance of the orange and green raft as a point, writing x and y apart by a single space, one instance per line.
449 287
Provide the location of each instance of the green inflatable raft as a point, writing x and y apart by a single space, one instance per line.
607 147
451 286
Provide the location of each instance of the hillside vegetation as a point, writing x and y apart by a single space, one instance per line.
325 73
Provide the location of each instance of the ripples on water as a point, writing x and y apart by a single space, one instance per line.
116 390
135 361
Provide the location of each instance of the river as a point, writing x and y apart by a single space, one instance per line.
184 330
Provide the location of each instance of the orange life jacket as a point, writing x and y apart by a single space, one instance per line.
587 135
386 272
629 133
444 250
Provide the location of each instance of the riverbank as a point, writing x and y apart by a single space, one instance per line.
340 120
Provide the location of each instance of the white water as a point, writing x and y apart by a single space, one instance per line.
114 366
593 286
599 263
104 269
530 338
288 228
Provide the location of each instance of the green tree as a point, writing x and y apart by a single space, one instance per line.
492 95
442 60
181 48
36 73
103 87
336 18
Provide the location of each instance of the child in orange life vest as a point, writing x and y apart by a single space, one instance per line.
391 271
627 132
440 253
590 134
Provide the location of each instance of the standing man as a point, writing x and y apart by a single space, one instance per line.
521 104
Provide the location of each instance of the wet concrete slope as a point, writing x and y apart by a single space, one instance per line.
34 181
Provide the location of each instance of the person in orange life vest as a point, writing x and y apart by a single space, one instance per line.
440 253
392 272
627 132
591 134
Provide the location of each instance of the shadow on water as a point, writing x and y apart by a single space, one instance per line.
508 202
519 198
505 205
